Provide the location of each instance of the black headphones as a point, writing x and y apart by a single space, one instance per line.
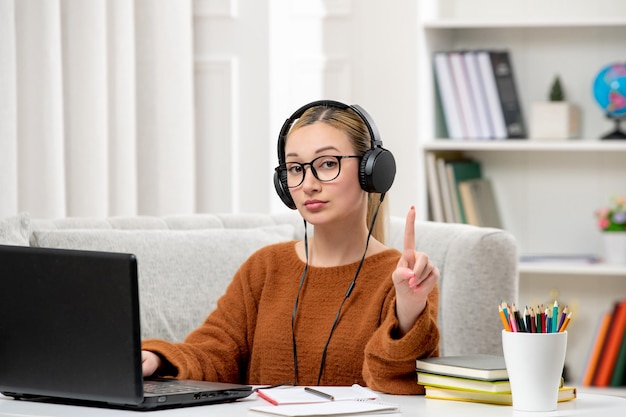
378 166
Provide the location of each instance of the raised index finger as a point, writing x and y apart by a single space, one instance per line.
409 237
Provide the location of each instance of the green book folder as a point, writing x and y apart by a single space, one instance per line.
618 377
479 202
461 170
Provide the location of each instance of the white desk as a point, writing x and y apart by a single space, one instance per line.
414 406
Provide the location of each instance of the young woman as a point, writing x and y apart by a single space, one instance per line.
337 308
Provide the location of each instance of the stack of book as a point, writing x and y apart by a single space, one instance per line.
473 378
458 192
478 95
606 362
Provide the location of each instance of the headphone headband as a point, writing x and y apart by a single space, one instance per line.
377 169
360 111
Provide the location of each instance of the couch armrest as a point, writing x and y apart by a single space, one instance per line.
478 267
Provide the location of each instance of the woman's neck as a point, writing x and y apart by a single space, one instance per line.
340 246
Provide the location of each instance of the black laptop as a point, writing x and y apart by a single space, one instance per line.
70 332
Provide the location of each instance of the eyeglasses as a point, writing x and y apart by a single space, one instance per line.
325 168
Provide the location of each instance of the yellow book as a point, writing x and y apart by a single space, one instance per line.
467 384
565 394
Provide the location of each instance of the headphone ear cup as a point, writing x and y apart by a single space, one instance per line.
280 184
377 170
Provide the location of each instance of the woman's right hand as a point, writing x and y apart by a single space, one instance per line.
150 362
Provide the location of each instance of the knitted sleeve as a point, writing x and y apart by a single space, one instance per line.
219 349
389 364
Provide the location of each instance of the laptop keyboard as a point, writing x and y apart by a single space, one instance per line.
163 387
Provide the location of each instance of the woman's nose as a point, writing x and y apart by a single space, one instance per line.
310 181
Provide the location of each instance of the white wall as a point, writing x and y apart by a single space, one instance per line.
259 61
385 83
231 74
123 107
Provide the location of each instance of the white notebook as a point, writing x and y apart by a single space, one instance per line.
299 395
331 408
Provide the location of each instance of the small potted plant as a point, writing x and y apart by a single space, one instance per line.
612 222
556 118
613 218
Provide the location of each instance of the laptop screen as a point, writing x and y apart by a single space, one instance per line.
69 324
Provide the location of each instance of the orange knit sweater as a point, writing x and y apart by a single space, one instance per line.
248 338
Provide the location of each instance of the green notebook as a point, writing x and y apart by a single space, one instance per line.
461 170
485 367
618 377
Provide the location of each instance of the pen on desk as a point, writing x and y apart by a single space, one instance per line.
319 393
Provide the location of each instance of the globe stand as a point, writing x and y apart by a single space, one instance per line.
616 134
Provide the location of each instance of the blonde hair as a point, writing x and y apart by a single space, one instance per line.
351 123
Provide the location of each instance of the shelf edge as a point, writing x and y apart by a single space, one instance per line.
521 24
537 268
576 145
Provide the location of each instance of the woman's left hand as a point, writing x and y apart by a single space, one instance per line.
414 279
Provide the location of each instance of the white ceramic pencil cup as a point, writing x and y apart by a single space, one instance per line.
534 362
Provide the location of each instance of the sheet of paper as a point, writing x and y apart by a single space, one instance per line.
299 395
331 408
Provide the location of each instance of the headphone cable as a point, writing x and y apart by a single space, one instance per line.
349 291
337 316
295 307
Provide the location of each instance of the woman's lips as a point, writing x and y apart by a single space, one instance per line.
314 204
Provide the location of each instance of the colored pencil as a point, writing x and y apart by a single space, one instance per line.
513 320
538 325
548 321
505 322
565 323
533 323
563 315
541 320
527 319
520 323
505 309
555 317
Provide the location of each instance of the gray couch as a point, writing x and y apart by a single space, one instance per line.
186 262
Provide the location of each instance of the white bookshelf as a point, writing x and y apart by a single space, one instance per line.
617 392
547 191
522 145
548 268
611 21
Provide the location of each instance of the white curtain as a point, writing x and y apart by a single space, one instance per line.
96 107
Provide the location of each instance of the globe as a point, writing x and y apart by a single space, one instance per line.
609 91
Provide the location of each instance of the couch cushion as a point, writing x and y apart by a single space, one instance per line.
193 222
14 230
181 273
